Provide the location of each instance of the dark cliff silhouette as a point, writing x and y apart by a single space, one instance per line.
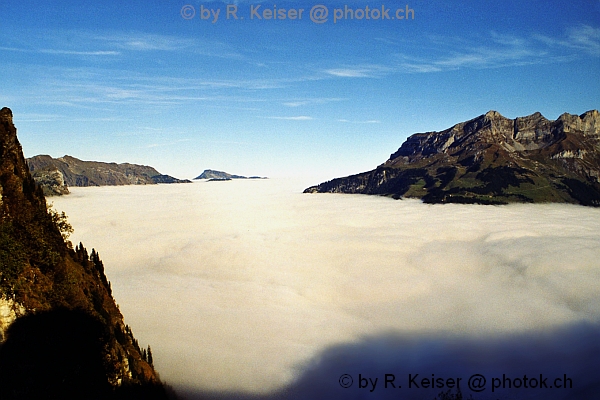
68 337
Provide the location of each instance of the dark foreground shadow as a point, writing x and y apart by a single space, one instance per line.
60 354
568 357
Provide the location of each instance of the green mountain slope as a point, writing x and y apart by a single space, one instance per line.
491 160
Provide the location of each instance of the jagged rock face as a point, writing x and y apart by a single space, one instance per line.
42 277
588 123
16 185
492 159
51 181
532 132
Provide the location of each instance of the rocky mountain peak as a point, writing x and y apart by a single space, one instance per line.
6 115
212 174
8 133
531 132
17 188
588 123
493 115
492 159
533 119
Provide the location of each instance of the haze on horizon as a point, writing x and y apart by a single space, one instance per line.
249 286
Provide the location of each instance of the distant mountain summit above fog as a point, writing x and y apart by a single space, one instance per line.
54 175
211 174
491 160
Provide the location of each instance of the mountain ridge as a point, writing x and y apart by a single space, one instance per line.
55 175
212 174
491 159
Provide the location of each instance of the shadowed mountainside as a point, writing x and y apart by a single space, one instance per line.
61 332
491 160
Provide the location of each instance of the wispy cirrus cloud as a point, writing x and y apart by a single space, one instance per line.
33 117
149 42
80 53
359 71
484 51
583 38
370 121
85 86
143 41
166 144
419 67
62 51
16 49
502 50
91 43
451 53
310 101
348 72
294 118
485 57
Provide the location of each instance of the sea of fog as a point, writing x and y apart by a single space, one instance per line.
251 288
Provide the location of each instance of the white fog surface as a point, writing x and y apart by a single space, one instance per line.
237 285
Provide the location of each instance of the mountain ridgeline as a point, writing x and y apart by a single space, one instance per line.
213 175
61 332
491 160
55 175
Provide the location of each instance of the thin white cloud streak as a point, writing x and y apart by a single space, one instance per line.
114 90
370 121
15 49
63 52
296 103
92 86
349 73
295 118
144 41
166 144
238 284
584 38
359 71
80 53
147 42
55 117
506 50
311 101
116 43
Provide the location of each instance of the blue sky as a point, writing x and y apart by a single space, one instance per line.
137 82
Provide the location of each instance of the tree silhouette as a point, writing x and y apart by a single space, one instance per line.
150 360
